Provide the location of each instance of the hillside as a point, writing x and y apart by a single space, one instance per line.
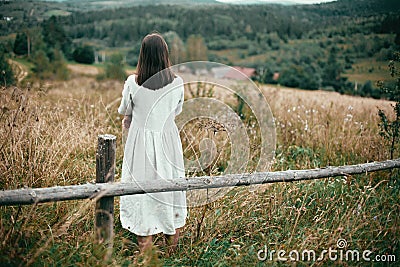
53 141
324 46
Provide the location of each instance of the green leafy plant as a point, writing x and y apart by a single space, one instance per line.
390 129
6 72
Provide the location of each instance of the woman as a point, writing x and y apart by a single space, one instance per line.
153 151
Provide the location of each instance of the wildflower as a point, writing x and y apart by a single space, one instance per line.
348 117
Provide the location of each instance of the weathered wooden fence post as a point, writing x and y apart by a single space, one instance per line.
105 171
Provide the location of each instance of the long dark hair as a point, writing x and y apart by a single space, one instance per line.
154 62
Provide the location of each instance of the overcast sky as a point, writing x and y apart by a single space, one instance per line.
275 1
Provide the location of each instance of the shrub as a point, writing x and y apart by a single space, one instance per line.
84 54
114 69
390 129
21 44
45 68
298 76
6 72
59 66
42 67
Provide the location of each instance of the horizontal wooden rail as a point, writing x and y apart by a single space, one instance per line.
98 190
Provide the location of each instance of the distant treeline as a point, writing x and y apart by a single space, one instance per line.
341 32
120 27
309 46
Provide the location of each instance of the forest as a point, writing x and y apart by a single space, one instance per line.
311 46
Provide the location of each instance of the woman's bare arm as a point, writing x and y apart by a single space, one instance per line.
126 122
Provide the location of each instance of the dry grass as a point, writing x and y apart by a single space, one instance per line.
48 137
343 128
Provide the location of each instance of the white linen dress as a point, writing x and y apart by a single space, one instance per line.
153 150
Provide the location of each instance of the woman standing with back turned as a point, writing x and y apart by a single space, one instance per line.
153 151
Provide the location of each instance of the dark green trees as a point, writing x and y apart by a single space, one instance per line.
50 46
21 44
6 73
55 37
332 70
84 54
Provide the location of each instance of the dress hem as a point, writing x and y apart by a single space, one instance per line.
156 232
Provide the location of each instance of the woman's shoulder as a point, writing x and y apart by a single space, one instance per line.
178 79
131 79
131 83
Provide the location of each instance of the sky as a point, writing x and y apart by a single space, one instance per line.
275 1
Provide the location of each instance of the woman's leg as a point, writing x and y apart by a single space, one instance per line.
144 242
172 241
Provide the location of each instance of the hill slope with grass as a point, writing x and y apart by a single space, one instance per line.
49 138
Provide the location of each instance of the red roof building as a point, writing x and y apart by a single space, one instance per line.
240 73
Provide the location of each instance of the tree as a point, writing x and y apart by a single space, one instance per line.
114 69
368 90
133 54
44 68
84 54
59 66
21 44
291 76
332 70
55 37
36 40
176 47
42 65
196 48
6 72
268 76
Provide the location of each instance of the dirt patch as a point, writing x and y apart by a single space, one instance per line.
83 69
19 70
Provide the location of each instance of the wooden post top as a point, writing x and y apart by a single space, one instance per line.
107 137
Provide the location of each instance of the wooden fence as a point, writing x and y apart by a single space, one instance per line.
104 190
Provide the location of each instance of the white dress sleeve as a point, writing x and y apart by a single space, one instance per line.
178 108
126 106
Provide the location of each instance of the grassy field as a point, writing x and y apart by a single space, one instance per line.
368 70
48 137
56 12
